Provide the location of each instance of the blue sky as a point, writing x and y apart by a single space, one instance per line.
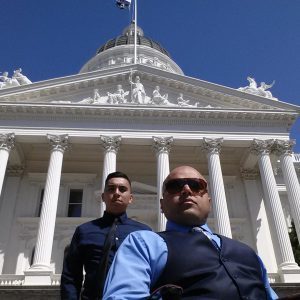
220 41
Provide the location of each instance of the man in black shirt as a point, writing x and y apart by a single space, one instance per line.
87 245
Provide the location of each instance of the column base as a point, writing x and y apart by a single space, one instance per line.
289 273
38 275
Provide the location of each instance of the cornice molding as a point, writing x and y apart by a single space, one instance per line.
75 112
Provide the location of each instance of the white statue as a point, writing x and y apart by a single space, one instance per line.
157 98
22 79
181 101
3 80
138 92
118 96
259 91
263 90
252 83
7 82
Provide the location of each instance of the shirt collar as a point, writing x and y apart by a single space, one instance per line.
172 226
109 217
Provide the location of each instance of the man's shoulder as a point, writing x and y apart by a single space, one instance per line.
236 244
88 225
144 236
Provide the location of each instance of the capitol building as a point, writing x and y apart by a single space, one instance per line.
59 138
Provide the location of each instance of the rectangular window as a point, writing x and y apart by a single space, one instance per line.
75 203
40 203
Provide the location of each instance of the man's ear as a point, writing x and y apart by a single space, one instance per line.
210 204
161 200
131 198
102 196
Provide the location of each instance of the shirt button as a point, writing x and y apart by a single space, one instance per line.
235 276
117 238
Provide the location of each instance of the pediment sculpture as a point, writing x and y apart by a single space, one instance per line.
17 79
137 96
261 90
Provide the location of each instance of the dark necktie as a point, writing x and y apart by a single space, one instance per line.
102 271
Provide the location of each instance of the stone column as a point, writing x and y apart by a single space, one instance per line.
162 147
216 185
284 150
258 218
7 142
111 146
272 201
43 248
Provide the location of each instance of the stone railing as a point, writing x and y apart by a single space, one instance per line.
18 280
10 279
55 279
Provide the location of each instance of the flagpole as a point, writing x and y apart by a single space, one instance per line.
135 31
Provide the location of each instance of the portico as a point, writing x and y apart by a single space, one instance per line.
60 138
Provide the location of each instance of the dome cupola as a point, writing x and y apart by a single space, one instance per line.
119 51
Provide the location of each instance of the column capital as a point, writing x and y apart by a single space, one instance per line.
162 144
212 145
111 143
260 147
249 174
284 147
15 170
7 141
59 142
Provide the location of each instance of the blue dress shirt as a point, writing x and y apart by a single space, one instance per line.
142 258
86 251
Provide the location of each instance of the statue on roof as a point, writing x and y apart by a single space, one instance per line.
7 82
118 96
138 95
22 79
252 88
159 99
181 101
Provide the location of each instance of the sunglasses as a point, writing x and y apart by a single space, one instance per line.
196 185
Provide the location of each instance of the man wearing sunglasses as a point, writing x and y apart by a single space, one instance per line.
201 264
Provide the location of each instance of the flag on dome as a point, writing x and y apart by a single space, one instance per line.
123 3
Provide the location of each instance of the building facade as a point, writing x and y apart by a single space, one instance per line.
61 137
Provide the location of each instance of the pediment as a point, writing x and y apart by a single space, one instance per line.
120 87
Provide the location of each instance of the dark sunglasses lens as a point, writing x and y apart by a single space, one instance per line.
194 185
176 185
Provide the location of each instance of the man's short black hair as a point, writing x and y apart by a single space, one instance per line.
117 174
